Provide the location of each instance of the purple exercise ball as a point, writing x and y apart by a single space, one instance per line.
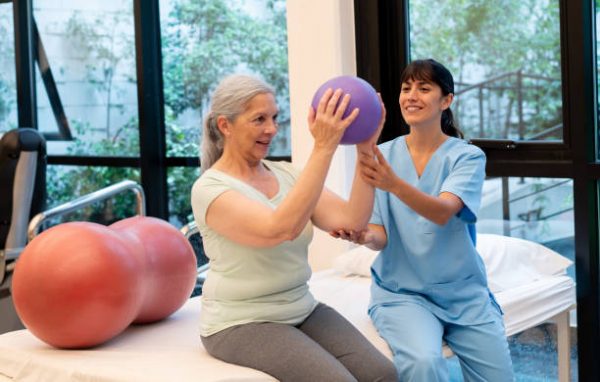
363 97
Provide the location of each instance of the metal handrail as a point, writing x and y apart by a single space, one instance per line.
86 200
188 230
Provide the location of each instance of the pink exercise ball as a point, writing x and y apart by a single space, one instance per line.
170 265
364 97
77 285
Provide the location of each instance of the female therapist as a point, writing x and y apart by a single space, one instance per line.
429 282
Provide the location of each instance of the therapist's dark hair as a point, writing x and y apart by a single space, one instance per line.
432 71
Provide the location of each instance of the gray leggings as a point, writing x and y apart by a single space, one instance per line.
325 347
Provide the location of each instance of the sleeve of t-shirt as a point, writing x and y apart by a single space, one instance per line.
466 181
205 190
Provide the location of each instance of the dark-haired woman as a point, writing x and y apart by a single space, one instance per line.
429 282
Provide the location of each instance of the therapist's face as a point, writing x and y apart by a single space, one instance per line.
422 102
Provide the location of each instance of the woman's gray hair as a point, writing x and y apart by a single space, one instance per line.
229 99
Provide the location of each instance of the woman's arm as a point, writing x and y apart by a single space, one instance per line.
333 212
250 222
439 209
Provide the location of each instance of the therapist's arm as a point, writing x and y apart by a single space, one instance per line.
439 209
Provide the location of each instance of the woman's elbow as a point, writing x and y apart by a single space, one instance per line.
278 235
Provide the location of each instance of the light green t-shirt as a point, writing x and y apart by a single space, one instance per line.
246 284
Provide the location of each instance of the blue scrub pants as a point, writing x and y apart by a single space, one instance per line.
415 336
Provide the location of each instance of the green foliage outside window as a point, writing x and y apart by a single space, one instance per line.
202 41
7 78
513 47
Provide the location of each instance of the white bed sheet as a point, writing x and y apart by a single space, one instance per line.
171 350
524 307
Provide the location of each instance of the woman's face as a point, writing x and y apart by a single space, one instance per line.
252 131
422 102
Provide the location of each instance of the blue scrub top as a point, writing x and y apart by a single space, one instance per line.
425 263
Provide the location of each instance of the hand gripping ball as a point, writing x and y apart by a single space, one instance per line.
363 97
79 284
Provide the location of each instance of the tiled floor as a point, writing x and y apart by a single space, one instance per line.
534 356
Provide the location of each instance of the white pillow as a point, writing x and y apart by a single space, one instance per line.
512 262
356 261
509 261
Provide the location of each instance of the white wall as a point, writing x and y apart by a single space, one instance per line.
320 46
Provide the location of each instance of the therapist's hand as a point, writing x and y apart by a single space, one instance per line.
362 237
377 172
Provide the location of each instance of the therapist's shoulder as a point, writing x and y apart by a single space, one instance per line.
464 151
391 146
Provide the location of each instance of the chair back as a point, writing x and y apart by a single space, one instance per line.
22 184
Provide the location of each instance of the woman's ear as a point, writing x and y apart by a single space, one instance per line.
447 101
223 125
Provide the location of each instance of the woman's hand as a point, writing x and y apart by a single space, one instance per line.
377 172
366 147
327 124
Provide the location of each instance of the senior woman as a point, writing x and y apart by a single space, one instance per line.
256 219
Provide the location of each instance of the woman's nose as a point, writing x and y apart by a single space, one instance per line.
272 127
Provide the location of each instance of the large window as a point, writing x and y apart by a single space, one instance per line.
203 41
8 92
505 58
90 54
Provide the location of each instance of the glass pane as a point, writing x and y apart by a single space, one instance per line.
539 210
91 56
505 59
203 41
180 181
597 3
8 88
65 183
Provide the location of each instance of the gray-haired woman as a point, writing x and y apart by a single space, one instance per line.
256 218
